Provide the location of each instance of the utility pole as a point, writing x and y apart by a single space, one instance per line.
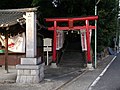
96 34
118 24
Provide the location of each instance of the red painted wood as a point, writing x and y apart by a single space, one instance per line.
72 27
88 41
70 24
74 19
54 42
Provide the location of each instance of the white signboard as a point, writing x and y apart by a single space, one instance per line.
47 42
83 39
60 39
47 48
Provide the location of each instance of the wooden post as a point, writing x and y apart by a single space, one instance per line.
6 51
88 42
54 42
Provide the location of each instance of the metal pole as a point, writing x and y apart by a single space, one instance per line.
118 25
96 34
97 2
96 38
47 58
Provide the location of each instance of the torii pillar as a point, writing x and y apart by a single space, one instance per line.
30 70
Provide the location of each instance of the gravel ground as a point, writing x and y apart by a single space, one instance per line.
60 76
54 77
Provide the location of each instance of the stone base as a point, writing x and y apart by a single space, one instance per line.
28 74
53 65
31 60
90 67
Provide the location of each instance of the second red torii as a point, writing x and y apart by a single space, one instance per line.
71 26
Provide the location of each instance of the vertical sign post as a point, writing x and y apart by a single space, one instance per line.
47 47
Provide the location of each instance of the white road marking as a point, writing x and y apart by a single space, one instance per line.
103 72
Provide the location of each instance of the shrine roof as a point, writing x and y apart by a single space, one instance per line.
9 17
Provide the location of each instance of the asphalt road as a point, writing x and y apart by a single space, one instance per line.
111 78
82 82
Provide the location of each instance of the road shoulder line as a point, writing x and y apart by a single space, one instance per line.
101 74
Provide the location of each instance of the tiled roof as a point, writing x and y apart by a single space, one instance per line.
9 18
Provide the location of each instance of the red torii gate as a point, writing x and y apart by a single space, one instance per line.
71 26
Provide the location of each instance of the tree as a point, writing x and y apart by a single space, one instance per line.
74 8
8 4
106 24
65 8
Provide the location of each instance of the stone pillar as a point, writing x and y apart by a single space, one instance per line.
30 70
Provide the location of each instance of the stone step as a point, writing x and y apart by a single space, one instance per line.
71 65
72 61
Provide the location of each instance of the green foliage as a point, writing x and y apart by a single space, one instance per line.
35 2
72 8
106 23
66 8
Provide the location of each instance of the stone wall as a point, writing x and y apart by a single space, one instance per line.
30 73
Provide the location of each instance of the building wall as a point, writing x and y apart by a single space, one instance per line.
14 58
